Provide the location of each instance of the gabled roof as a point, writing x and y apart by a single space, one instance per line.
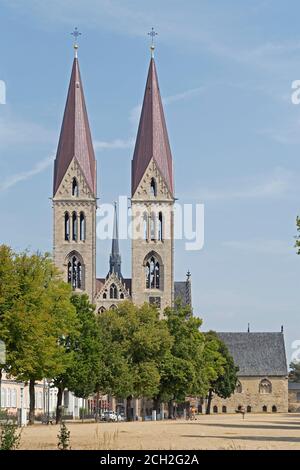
75 137
183 292
152 138
257 354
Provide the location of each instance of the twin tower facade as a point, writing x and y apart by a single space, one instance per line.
152 204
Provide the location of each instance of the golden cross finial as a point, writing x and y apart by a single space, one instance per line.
152 33
76 33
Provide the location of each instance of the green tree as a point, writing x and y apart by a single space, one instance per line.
222 370
294 374
39 321
84 350
8 292
182 369
139 339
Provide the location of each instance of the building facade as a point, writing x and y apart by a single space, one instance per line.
263 374
152 204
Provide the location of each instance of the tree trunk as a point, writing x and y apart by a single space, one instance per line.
60 391
209 400
128 409
32 401
156 405
170 409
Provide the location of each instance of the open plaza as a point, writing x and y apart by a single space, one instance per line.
230 432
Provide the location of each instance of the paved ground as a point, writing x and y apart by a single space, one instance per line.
275 431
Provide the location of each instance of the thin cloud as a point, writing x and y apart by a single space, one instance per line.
261 247
114 144
135 112
18 177
278 184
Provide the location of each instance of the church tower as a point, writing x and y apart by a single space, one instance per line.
74 193
152 203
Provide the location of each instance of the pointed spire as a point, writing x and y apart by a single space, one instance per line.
115 257
152 139
75 137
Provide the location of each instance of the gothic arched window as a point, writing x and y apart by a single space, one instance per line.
104 295
101 310
238 388
113 292
265 386
82 227
160 227
67 227
75 188
113 307
152 227
74 227
152 274
122 296
153 187
145 226
75 273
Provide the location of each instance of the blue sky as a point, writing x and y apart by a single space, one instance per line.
225 71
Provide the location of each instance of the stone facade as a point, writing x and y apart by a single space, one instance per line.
153 236
84 247
110 292
254 398
294 397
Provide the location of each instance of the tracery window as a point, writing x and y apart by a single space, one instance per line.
75 273
152 273
113 292
265 386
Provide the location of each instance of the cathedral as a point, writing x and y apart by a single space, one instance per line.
260 357
152 205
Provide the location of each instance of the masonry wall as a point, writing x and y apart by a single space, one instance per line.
251 397
294 401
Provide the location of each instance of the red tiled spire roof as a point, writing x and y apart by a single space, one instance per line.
152 139
75 137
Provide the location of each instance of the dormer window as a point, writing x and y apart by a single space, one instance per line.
75 188
153 188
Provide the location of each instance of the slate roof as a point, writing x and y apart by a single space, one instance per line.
257 354
75 137
152 138
182 291
294 386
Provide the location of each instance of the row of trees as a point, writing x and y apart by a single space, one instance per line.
49 332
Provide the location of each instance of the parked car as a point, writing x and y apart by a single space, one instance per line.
110 416
121 417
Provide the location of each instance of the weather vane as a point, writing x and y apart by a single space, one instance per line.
152 34
76 33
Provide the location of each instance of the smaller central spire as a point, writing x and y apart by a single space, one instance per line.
115 257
